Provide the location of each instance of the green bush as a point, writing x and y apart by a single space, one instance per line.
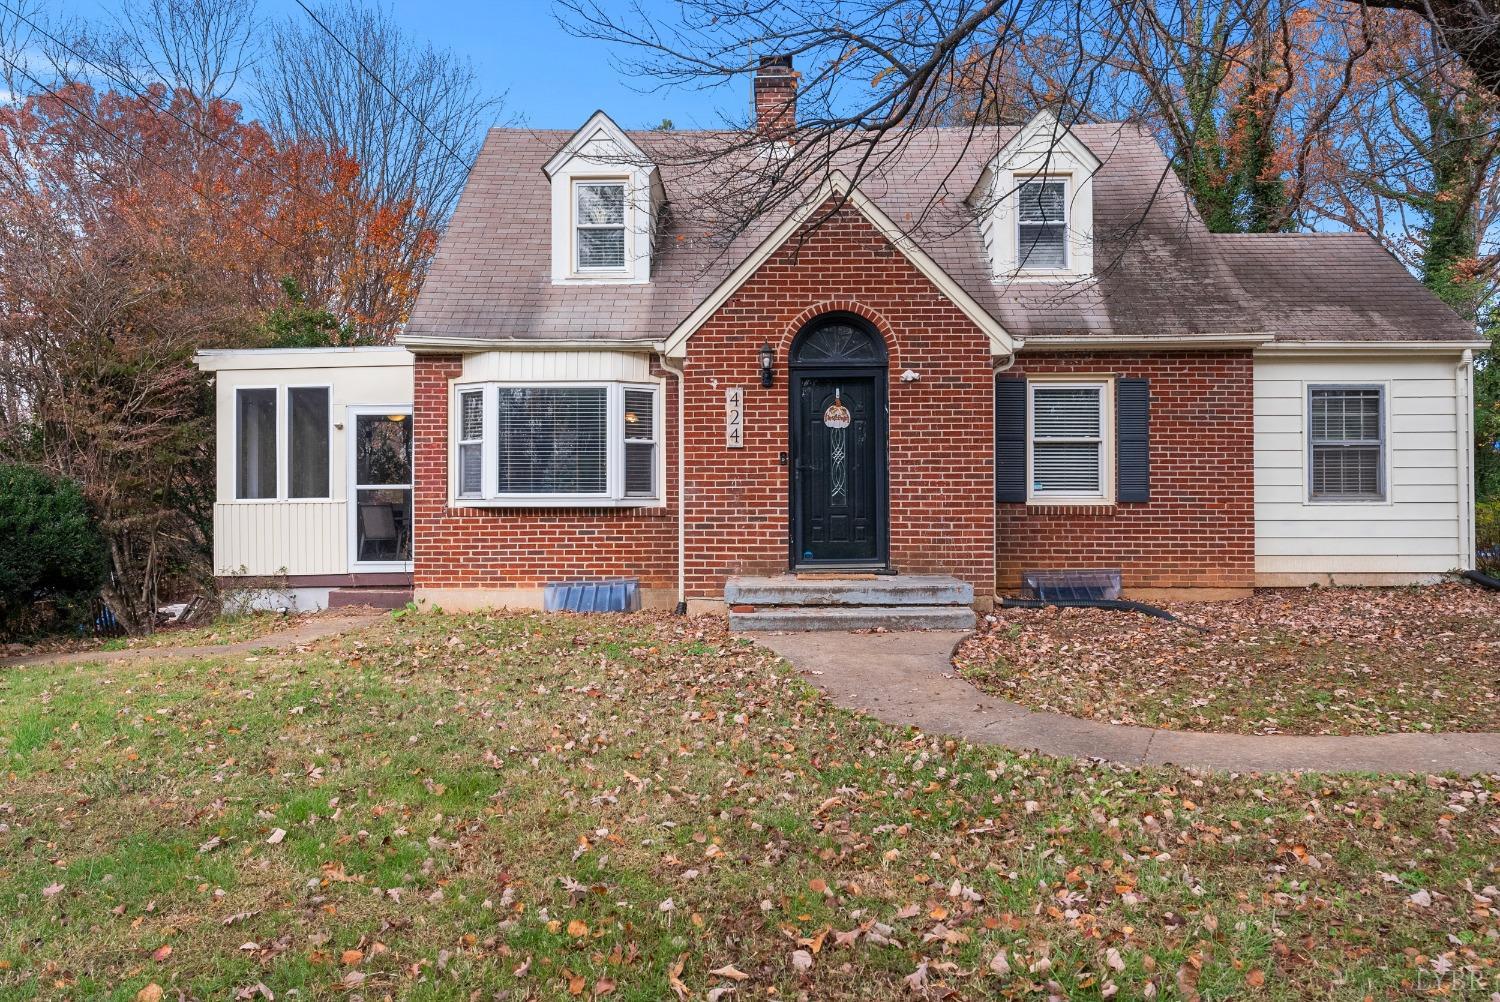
52 557
1487 535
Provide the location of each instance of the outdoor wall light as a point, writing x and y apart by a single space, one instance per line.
767 360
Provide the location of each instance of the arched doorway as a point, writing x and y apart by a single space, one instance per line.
839 492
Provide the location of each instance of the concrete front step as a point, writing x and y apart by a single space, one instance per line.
889 589
795 619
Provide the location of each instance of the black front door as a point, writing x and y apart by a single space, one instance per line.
838 455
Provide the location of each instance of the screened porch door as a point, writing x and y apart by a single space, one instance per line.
380 488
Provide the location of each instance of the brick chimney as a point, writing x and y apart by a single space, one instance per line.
775 97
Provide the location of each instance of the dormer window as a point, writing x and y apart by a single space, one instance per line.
1034 204
599 226
607 199
1042 225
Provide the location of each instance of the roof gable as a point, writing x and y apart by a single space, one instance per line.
599 139
1033 149
837 185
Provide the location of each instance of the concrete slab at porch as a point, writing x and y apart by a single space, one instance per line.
907 679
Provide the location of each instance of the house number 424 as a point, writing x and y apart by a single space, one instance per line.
734 417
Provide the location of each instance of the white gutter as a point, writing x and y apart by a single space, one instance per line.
425 342
676 369
1380 347
1113 342
1463 378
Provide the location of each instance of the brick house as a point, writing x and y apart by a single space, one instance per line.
1057 369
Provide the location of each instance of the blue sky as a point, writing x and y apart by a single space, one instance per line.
551 79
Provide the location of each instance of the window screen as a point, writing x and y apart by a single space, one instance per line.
552 439
1067 431
1042 234
1346 429
308 417
255 447
471 443
601 226
640 443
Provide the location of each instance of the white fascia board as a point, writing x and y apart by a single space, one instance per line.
432 343
1112 342
1059 138
837 184
225 359
598 122
1372 347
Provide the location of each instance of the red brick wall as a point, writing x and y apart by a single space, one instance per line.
498 548
941 454
1198 529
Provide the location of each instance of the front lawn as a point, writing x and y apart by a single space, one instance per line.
643 808
229 628
1295 661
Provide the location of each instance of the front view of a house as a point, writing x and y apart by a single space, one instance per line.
1056 367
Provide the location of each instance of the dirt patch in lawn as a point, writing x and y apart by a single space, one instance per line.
645 808
1290 661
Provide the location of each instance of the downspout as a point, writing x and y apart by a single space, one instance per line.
1464 383
677 371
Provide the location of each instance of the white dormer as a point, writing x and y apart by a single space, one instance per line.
1035 202
606 197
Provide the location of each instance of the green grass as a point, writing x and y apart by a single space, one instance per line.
464 798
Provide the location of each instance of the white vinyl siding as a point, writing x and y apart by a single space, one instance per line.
1042 225
1069 427
1413 528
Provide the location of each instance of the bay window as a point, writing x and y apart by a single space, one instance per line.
552 444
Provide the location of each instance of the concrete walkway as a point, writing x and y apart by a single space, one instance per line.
908 679
316 628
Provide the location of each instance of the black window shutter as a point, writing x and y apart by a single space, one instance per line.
1010 439
1133 439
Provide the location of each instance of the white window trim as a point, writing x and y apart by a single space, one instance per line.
283 434
614 494
1066 180
576 185
352 414
1106 493
1385 444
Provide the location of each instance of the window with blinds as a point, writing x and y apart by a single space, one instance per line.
1346 442
640 443
556 444
1042 225
1067 440
471 443
599 224
552 439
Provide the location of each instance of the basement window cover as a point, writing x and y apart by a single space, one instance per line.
623 595
1071 586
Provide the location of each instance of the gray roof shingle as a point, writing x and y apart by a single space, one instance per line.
1159 271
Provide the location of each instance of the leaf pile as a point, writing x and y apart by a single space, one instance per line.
1292 661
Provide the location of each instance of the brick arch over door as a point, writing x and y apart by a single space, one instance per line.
941 434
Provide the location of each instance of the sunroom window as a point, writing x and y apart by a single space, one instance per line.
583 443
1068 440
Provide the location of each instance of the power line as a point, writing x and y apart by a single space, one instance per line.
384 86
